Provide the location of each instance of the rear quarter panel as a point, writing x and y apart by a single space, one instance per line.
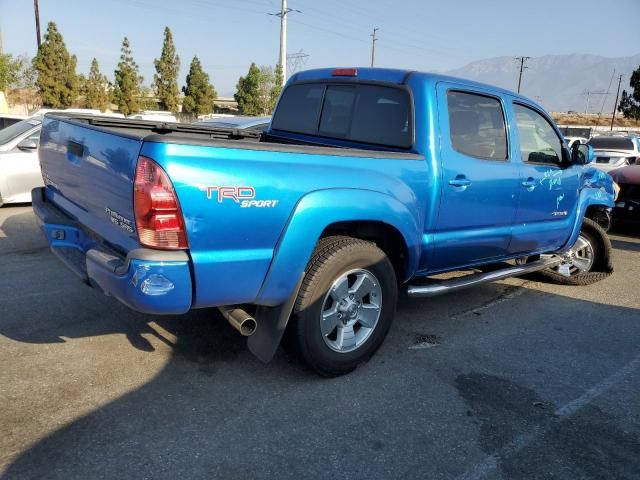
232 247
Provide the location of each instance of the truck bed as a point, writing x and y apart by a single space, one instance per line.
193 134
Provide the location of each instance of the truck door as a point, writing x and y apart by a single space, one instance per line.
548 189
479 180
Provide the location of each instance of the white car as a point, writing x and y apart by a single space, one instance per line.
155 116
19 164
571 140
611 152
7 119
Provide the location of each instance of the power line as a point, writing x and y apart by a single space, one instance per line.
522 68
373 45
295 61
377 17
615 104
588 94
353 26
605 98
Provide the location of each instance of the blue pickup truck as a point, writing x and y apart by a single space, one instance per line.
367 181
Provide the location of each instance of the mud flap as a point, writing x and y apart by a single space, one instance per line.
272 322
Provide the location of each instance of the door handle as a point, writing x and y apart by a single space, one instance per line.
529 183
460 181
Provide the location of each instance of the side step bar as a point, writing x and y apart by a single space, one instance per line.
446 286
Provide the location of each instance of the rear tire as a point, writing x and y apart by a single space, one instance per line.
345 306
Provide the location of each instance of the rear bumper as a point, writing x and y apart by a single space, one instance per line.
146 280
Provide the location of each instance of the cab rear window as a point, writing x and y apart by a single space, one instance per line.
372 114
613 143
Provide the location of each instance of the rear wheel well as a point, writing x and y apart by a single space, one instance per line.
385 236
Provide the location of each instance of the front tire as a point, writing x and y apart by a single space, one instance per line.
588 261
345 306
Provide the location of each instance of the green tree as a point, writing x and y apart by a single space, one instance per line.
258 92
166 78
199 93
9 71
629 104
247 95
126 90
148 98
276 89
57 81
24 89
96 89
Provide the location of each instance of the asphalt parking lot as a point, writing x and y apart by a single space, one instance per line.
521 379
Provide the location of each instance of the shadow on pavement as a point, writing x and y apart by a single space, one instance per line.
622 245
215 412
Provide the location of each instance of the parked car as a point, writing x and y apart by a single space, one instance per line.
571 140
366 179
256 124
8 119
627 205
155 116
613 151
19 166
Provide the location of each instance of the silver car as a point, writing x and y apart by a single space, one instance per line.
19 164
242 122
614 151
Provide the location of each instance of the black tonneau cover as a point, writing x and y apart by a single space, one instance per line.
142 128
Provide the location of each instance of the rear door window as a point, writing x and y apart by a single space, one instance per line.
476 125
299 108
371 114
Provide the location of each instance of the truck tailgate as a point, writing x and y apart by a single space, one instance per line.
90 174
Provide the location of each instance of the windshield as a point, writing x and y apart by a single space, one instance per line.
611 143
13 131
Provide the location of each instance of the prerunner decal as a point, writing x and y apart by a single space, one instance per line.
243 195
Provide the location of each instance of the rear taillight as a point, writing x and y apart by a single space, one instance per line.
158 216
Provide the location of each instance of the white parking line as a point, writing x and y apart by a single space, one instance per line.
490 464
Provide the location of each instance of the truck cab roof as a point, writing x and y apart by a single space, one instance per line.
390 75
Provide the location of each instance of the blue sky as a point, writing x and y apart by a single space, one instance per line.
228 35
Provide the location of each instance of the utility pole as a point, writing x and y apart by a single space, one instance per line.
522 67
374 39
282 60
615 105
283 40
37 12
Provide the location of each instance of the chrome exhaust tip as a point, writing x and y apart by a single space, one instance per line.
239 319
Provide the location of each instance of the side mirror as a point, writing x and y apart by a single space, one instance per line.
581 154
27 145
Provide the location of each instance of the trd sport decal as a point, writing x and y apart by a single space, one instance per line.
244 195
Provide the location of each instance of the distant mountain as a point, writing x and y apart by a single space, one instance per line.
557 82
